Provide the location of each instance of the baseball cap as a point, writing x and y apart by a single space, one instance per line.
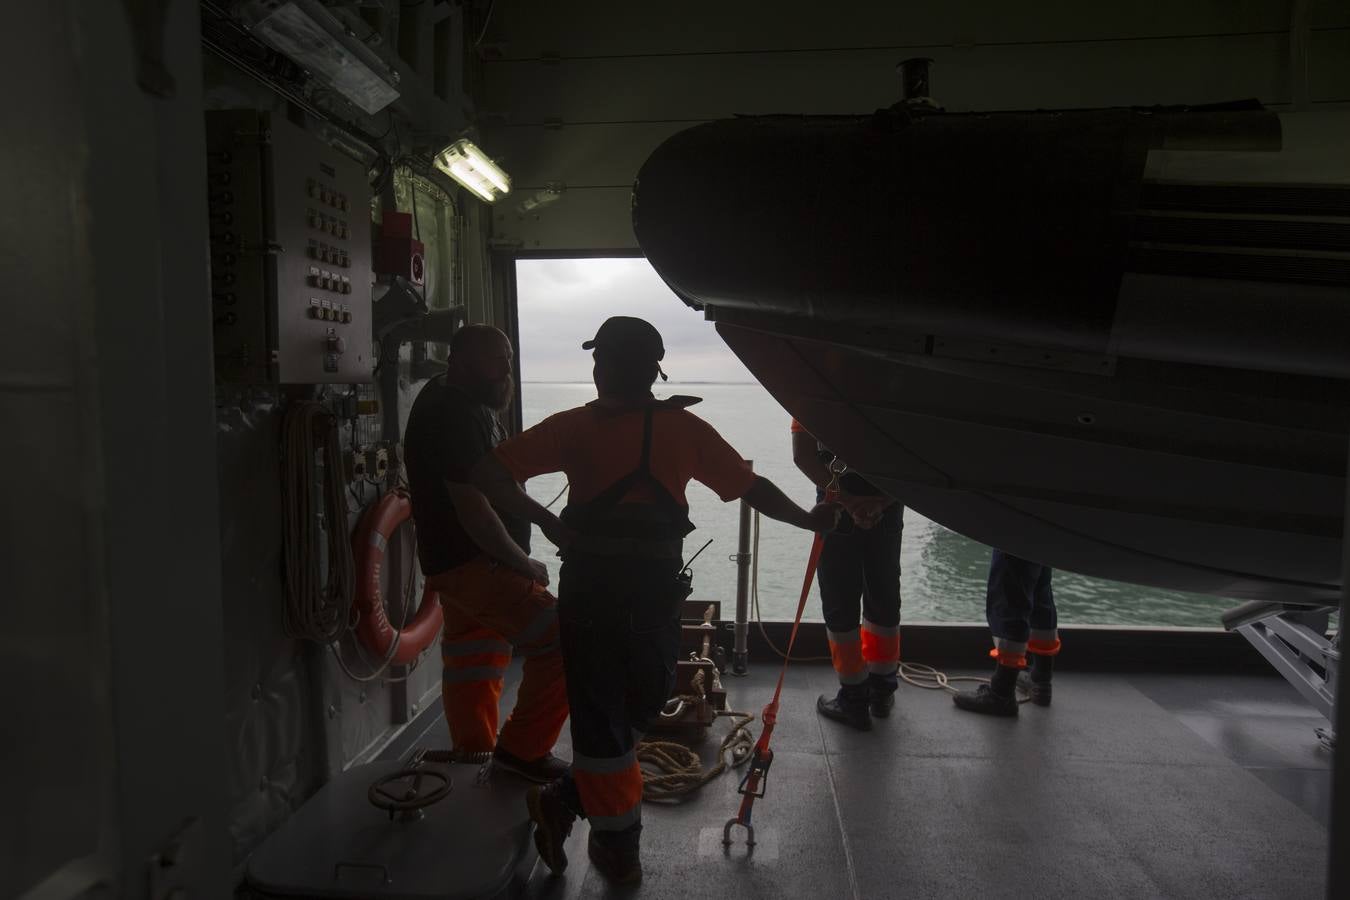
634 338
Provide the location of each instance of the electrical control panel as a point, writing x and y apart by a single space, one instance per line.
290 254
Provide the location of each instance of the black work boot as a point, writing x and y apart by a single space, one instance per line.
552 824
541 771
615 854
1036 681
998 698
848 706
881 694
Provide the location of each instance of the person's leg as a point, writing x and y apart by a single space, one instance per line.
881 608
840 574
473 660
649 605
506 603
1008 599
653 606
1008 604
605 780
604 777
1043 641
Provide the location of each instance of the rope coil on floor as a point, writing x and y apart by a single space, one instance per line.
672 771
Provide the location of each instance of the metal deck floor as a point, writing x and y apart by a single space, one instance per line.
1189 786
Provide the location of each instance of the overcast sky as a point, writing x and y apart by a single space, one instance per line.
563 302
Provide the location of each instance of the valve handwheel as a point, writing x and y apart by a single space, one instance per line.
383 795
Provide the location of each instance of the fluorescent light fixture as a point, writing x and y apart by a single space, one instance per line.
308 34
469 166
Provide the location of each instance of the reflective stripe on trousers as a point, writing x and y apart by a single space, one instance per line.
1044 642
881 647
473 659
846 654
612 788
1010 653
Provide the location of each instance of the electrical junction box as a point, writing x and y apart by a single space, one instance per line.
397 252
290 254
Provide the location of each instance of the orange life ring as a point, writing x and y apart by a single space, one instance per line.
377 526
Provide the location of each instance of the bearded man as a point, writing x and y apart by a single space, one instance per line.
477 558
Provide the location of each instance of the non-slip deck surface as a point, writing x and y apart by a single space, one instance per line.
1128 786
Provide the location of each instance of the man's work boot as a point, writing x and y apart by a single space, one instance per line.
1038 691
1036 680
848 706
541 771
552 824
997 698
616 856
881 695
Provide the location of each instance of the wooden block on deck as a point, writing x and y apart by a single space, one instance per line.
687 670
697 610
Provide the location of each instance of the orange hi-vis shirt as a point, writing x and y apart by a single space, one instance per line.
596 447
796 428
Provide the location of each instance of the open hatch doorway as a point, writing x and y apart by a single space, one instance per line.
559 303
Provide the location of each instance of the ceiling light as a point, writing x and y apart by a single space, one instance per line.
306 32
469 166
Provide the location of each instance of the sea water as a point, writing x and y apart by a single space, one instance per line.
942 572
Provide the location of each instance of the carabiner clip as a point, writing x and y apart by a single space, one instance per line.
837 467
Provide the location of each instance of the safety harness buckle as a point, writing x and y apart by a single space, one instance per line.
756 778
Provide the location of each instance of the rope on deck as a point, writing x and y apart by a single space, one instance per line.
671 771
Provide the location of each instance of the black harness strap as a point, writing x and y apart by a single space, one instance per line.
595 509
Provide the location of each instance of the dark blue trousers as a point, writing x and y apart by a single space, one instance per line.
1020 604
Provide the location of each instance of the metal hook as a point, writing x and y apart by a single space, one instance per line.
749 832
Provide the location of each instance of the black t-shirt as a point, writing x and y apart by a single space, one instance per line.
448 432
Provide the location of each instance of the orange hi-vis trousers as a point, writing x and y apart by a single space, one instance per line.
491 611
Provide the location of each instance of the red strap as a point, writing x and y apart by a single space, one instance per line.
770 713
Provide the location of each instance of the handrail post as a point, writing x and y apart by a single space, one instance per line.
740 651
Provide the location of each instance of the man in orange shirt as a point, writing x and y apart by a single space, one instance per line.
628 458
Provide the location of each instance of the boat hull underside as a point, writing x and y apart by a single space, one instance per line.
1137 475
